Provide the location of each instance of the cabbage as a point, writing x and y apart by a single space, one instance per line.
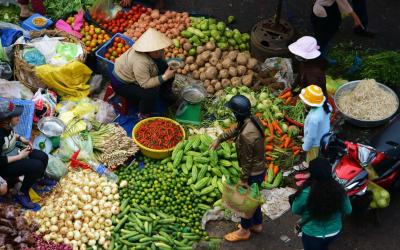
263 96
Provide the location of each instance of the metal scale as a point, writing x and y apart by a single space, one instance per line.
189 111
51 128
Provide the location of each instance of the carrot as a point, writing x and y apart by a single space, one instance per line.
258 114
283 138
264 123
268 158
295 148
269 139
291 145
271 128
286 95
271 165
296 152
276 126
286 142
287 101
269 147
276 170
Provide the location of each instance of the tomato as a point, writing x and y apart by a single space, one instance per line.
114 30
110 50
119 50
127 46
117 39
120 45
114 53
107 55
112 57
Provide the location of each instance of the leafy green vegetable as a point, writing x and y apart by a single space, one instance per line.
62 8
9 14
384 67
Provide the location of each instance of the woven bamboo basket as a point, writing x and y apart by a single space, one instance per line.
25 72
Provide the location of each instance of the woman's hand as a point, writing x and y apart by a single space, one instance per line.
26 142
214 145
24 153
125 3
169 73
357 21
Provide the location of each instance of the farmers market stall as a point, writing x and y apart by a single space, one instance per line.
121 183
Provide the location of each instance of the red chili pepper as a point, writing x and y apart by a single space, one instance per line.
159 134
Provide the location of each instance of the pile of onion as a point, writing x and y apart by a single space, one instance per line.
170 23
78 212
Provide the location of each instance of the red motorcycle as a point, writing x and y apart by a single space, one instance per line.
355 165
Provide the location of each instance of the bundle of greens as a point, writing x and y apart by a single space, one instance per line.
9 14
384 67
62 8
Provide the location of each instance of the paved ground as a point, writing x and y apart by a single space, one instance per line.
360 233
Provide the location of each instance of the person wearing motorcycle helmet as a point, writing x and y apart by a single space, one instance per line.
249 138
321 202
316 124
17 156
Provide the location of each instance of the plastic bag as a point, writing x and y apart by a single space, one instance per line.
70 145
64 26
281 69
45 104
67 50
5 25
96 83
14 90
33 56
3 54
56 169
102 9
68 81
5 71
105 113
47 46
238 201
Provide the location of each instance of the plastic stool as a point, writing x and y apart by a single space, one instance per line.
122 106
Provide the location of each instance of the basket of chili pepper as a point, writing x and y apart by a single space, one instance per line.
157 136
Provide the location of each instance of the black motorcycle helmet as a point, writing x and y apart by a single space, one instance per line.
240 106
331 147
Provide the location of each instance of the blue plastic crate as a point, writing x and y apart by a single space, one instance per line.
28 25
103 64
24 127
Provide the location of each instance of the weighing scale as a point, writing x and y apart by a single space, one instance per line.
189 111
51 129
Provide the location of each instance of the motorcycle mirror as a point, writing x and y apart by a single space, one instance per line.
392 143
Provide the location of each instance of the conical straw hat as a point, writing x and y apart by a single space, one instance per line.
152 40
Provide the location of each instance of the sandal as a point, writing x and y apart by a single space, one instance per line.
234 237
251 229
302 176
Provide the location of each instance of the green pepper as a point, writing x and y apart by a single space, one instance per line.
229 33
232 42
222 46
186 34
212 21
192 52
212 26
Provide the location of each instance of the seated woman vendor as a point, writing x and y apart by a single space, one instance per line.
17 157
142 75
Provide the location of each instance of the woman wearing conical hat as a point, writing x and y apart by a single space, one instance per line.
142 75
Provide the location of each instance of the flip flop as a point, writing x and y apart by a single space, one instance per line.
234 237
301 176
254 231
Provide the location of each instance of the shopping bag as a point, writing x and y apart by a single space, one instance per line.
242 200
56 169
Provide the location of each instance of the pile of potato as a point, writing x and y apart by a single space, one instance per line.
219 69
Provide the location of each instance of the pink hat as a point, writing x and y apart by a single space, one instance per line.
306 47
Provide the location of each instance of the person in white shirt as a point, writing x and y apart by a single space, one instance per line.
326 19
